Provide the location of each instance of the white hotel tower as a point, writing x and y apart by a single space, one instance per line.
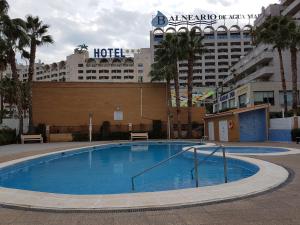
81 67
225 45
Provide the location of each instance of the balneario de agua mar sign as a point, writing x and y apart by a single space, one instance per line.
160 20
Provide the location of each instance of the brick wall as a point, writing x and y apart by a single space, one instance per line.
69 104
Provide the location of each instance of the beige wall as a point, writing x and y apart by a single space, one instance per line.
69 104
233 133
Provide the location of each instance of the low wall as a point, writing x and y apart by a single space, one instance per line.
62 137
280 129
280 135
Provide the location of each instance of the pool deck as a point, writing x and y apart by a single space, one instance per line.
280 206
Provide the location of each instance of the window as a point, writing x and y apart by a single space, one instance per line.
80 65
223 50
231 103
210 64
210 77
80 78
261 97
140 65
222 44
236 56
223 70
210 71
183 64
140 71
210 83
224 105
209 44
242 100
235 50
210 57
235 43
197 71
222 76
223 63
289 98
223 57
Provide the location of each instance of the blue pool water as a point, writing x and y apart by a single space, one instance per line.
108 170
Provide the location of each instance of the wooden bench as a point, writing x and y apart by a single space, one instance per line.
31 137
139 136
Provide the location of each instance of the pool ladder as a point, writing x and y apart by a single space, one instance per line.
194 170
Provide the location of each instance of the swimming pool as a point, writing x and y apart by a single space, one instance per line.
108 169
249 150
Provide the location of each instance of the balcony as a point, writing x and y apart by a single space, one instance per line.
292 8
262 73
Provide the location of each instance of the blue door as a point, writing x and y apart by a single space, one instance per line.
253 125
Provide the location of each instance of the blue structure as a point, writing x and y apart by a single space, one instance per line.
253 125
280 135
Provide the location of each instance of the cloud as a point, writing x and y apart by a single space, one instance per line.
113 23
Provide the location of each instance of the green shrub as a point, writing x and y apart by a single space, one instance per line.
80 136
156 132
41 129
105 130
119 136
295 133
7 136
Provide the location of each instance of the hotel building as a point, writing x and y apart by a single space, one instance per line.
225 45
80 67
255 79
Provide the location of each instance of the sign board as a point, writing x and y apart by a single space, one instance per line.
108 53
160 20
118 115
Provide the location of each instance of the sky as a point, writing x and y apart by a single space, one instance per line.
114 23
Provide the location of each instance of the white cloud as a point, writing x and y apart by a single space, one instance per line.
113 23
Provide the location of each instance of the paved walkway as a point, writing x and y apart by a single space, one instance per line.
278 207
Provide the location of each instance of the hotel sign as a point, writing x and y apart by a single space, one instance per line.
108 53
160 20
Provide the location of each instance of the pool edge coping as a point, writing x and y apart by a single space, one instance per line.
265 178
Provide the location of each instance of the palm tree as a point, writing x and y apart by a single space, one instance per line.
167 56
3 7
36 31
3 66
13 38
191 45
163 72
274 32
8 91
294 31
3 60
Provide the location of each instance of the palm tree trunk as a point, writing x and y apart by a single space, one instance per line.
30 78
170 117
190 93
12 62
178 110
293 52
2 104
283 80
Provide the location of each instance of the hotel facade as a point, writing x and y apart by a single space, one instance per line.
256 79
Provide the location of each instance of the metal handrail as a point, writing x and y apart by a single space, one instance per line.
160 163
208 156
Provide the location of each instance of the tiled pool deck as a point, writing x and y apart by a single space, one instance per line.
281 206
